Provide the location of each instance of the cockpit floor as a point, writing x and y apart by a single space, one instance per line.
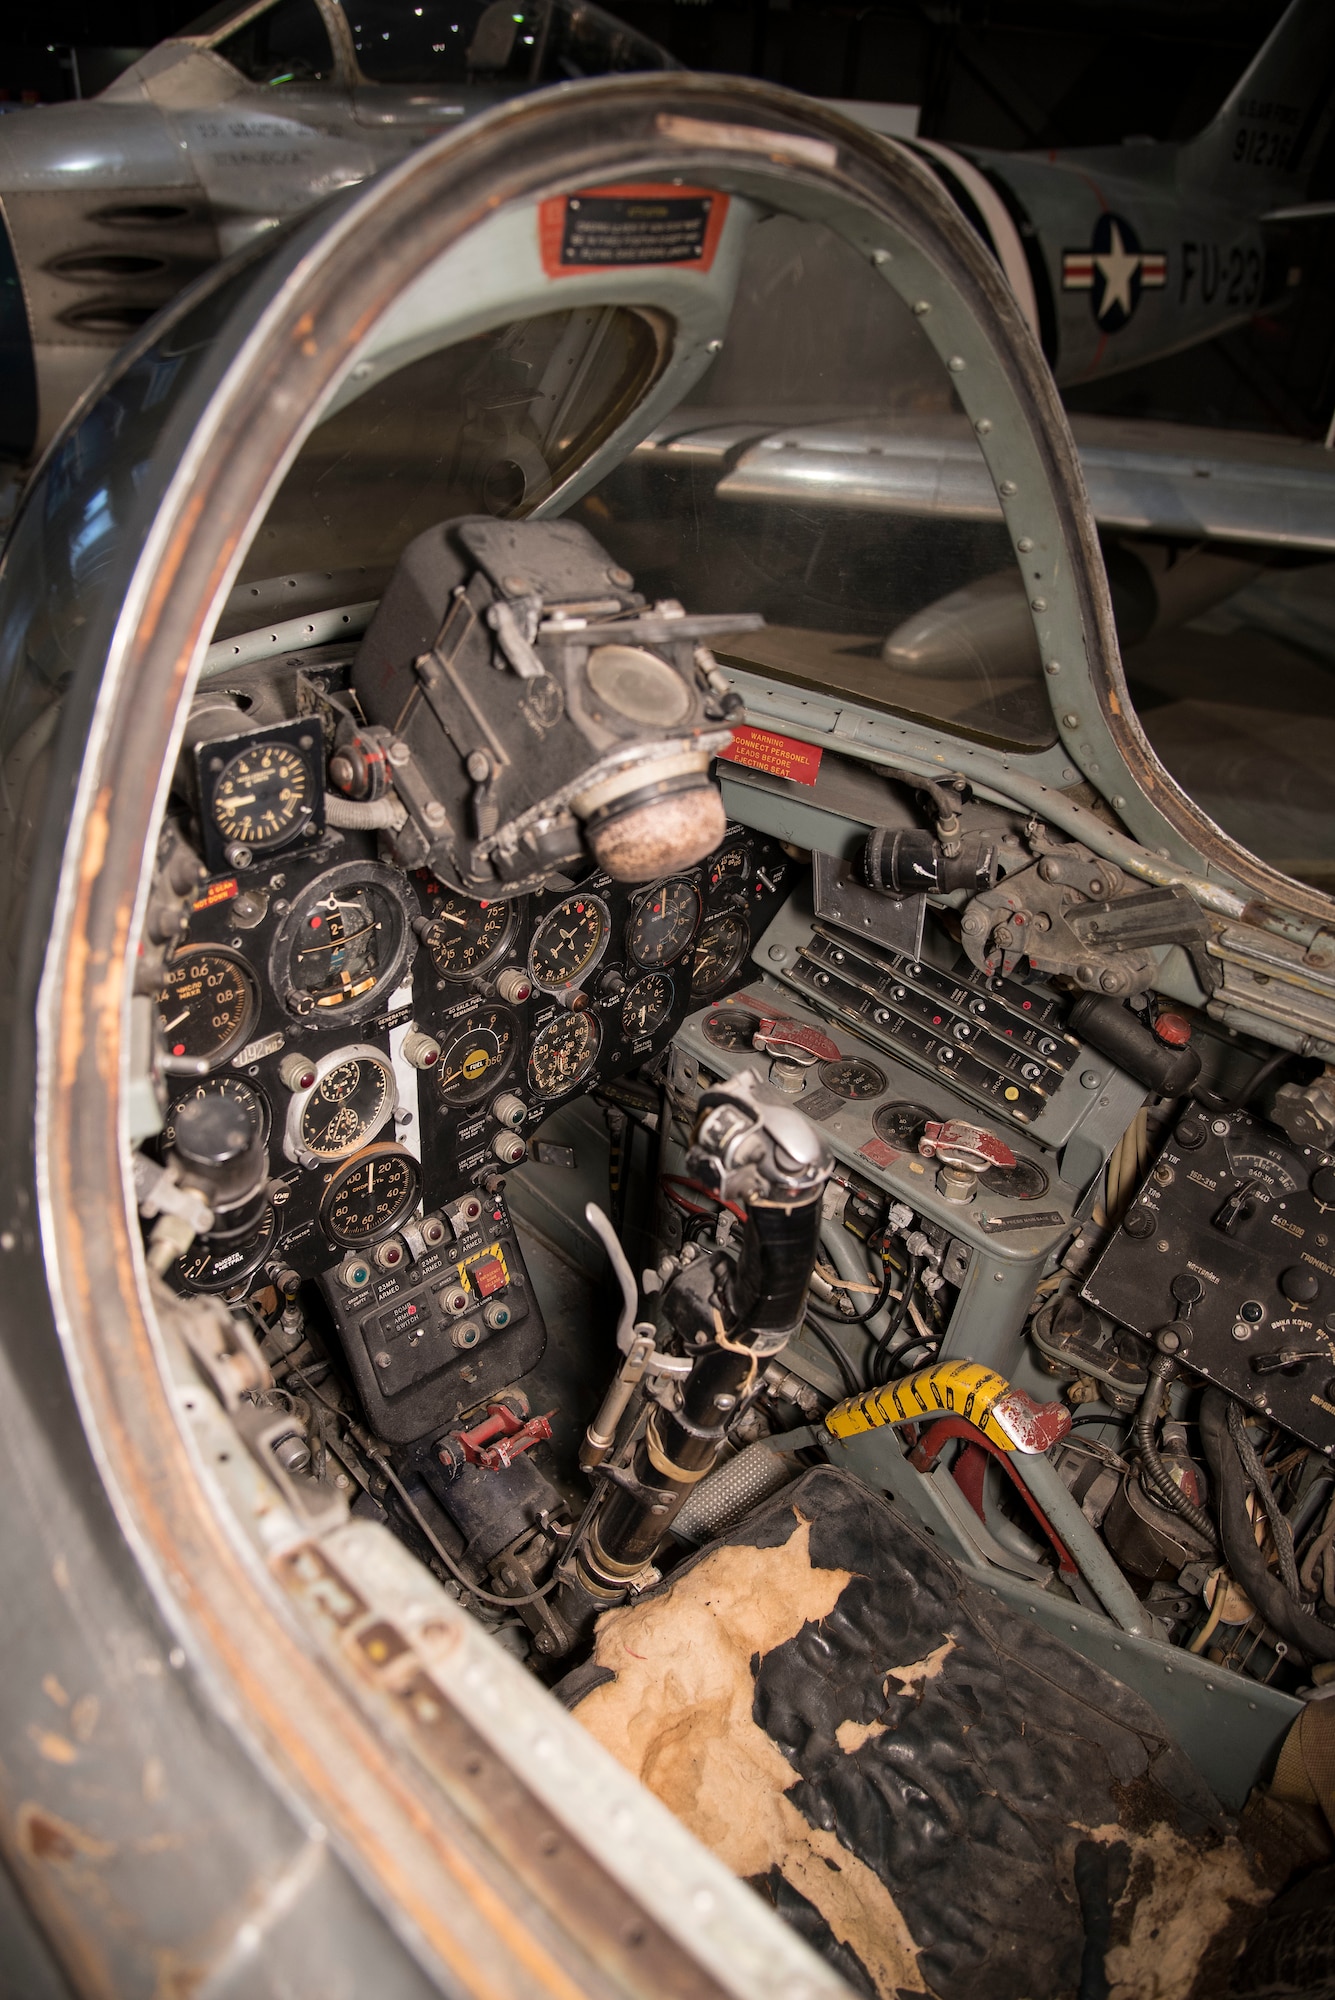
942 1799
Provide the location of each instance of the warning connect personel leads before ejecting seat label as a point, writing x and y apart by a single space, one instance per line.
612 228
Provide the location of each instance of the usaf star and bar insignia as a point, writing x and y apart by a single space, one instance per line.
1114 271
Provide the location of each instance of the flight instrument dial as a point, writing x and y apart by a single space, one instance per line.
564 1053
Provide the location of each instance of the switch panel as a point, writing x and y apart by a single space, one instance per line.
1232 1241
438 1334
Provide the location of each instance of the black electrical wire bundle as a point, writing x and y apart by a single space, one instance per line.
1312 1637
879 1367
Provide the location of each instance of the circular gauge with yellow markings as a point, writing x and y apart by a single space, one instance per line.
262 795
477 1050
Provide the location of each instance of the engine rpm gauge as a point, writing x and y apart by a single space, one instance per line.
207 1005
352 1097
719 951
648 1004
477 1050
568 943
371 1194
664 923
853 1079
465 937
564 1053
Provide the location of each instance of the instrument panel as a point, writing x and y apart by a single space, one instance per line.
391 1041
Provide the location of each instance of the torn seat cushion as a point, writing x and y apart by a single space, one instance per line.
941 1797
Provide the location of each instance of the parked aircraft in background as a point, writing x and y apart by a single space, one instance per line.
246 118
1117 255
1121 254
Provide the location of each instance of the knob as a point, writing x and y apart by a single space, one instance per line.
219 1150
1323 1187
1299 1286
466 1334
611 982
509 1148
497 1314
507 1109
422 1051
514 985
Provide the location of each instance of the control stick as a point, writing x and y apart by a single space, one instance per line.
730 1318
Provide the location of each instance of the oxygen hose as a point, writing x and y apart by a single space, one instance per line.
1311 1636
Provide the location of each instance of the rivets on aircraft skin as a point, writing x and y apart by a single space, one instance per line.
1038 604
921 306
880 256
1070 722
1008 488
1024 545
956 364
983 426
713 347
1054 666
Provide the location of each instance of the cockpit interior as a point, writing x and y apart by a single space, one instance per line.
693 1082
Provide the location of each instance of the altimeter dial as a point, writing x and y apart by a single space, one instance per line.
564 1053
647 1005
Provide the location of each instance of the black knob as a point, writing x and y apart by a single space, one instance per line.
1323 1187
1139 1222
1186 1288
1190 1133
219 1150
211 1132
1299 1287
612 982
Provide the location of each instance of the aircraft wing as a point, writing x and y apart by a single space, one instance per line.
1175 480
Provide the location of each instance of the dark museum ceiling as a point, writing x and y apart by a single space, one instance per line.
995 73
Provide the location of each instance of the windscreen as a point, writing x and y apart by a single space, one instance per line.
506 41
825 475
491 425
1239 702
287 44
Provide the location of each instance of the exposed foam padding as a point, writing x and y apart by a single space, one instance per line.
944 1799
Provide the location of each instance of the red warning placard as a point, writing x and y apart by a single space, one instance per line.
781 756
635 223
